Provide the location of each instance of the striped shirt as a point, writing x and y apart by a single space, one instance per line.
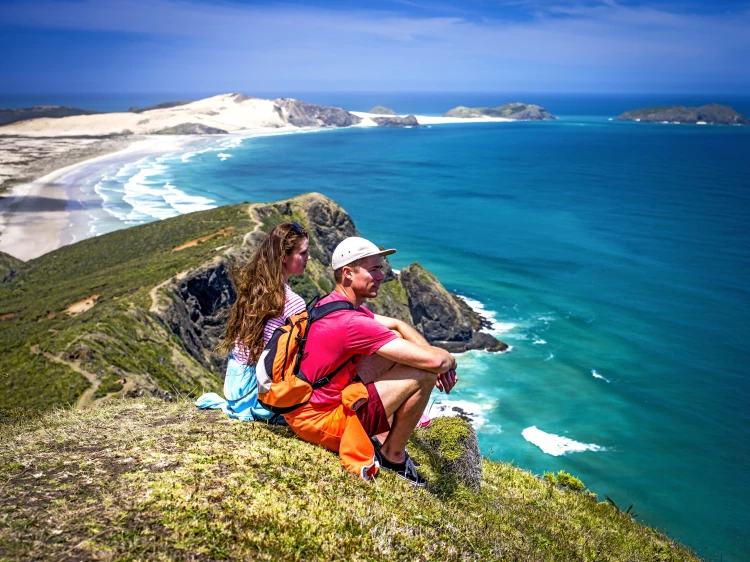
294 305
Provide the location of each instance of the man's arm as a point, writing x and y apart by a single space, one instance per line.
428 358
403 329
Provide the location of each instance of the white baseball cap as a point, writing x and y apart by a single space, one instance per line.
355 248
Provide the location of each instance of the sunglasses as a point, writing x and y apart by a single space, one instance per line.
297 227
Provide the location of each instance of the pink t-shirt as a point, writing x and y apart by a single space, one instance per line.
340 336
294 305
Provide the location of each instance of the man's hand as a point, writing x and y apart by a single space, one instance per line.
446 381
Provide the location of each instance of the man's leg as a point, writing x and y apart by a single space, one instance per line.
405 392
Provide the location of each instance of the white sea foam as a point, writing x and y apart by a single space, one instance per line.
538 341
446 408
556 445
490 316
550 358
598 376
223 156
141 191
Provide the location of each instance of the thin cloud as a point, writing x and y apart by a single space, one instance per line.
573 43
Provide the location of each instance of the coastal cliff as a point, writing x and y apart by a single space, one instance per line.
517 111
138 311
712 114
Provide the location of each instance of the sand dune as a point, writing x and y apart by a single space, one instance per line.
228 112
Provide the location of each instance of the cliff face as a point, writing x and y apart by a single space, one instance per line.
303 114
196 312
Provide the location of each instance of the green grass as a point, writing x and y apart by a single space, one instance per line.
148 480
118 336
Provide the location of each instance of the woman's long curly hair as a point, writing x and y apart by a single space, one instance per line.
260 290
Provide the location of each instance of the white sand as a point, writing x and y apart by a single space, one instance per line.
228 112
34 216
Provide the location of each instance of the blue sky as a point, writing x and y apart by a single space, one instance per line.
244 46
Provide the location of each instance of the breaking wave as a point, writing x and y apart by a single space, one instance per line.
556 445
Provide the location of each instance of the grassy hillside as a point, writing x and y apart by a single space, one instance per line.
149 480
53 345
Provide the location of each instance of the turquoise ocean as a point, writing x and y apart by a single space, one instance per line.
613 257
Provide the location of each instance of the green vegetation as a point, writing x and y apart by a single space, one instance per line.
148 480
714 113
382 110
565 480
47 353
506 111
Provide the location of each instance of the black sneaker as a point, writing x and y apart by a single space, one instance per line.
405 470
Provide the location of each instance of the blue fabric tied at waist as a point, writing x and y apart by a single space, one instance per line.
241 392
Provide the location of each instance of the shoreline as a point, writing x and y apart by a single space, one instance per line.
44 214
49 211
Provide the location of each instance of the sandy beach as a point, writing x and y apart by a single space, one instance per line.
44 162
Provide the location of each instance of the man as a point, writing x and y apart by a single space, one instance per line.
392 382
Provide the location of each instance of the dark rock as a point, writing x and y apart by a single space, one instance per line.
408 121
198 316
8 116
303 114
712 114
190 129
9 267
444 319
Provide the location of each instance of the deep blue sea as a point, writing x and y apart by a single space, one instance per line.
614 258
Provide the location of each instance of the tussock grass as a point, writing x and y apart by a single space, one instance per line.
149 480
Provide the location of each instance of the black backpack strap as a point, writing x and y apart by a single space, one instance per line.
312 304
325 309
321 382
316 313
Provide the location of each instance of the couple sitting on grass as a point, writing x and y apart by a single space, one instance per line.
369 407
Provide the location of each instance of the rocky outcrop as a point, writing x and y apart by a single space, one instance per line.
303 114
517 111
197 313
8 116
408 121
712 114
9 267
452 445
190 129
443 318
382 110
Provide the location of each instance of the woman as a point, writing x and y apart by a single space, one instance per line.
264 302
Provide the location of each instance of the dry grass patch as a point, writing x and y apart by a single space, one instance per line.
222 232
82 306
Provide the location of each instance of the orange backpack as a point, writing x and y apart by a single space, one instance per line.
282 387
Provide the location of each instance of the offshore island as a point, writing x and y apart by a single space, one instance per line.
104 342
711 114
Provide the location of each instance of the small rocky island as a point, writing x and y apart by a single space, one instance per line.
382 110
517 111
711 114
